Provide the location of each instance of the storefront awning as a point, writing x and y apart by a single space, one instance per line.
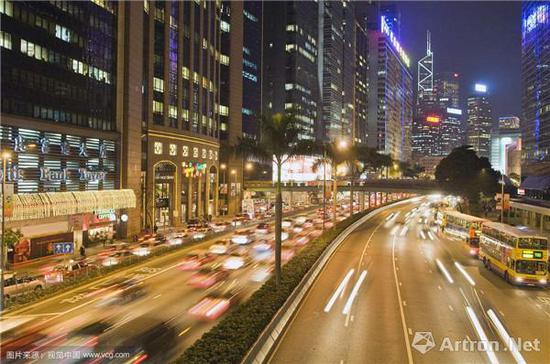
29 206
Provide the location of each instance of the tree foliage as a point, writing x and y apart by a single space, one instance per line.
465 174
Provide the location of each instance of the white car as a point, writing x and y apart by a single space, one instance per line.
220 247
142 250
115 258
242 237
286 223
175 240
234 262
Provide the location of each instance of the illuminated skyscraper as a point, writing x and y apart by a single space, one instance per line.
335 68
480 121
425 84
506 146
290 69
535 72
390 110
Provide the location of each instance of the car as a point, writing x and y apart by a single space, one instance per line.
297 229
142 250
194 261
220 247
116 258
16 285
235 261
71 269
242 237
262 251
219 227
309 223
300 220
176 239
263 229
128 290
207 277
214 305
199 233
286 223
261 273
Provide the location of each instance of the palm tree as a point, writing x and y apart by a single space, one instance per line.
280 140
333 155
357 159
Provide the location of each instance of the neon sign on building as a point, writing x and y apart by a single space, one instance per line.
386 30
537 17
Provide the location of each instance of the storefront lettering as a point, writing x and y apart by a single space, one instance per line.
19 144
102 150
44 145
64 174
65 148
13 174
82 150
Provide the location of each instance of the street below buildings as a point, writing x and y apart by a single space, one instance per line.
399 291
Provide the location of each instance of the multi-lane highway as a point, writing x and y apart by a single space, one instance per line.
399 291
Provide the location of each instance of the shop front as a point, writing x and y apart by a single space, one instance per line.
182 182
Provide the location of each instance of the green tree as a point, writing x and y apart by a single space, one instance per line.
11 237
280 140
465 174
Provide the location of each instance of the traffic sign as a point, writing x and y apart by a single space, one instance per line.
63 248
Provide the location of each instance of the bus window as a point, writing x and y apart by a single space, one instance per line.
531 267
533 243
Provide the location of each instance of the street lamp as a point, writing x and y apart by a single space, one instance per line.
223 167
249 166
5 157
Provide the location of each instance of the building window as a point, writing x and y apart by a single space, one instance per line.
224 59
157 148
173 149
185 115
5 40
158 84
6 7
250 16
185 151
246 111
172 112
224 110
195 152
185 72
250 76
157 107
224 26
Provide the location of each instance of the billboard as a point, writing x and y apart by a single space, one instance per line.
300 169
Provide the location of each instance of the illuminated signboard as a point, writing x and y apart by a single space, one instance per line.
537 17
479 87
386 30
451 110
433 119
300 169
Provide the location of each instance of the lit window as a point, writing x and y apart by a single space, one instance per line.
224 110
5 40
224 60
158 84
289 86
291 28
250 76
157 147
223 126
185 72
250 16
290 47
185 114
172 112
6 7
158 107
246 111
173 149
195 152
185 151
225 27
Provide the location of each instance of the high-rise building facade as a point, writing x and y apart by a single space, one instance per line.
65 121
506 146
290 62
447 95
480 121
535 74
181 110
361 84
391 95
336 72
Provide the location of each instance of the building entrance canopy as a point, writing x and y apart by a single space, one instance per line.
30 206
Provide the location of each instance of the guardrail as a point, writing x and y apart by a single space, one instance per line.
268 339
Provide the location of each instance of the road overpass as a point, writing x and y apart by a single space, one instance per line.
415 186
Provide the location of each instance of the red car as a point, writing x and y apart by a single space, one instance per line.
194 261
207 277
214 305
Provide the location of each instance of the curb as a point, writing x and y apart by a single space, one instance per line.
269 338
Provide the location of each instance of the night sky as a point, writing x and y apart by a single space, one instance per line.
479 40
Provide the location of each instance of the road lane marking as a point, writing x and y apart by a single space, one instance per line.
339 290
404 230
410 331
157 296
464 295
355 290
439 287
444 271
401 311
464 273
451 308
506 337
481 291
184 331
404 303
481 334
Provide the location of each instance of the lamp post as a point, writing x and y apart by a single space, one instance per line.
5 157
502 199
324 185
223 167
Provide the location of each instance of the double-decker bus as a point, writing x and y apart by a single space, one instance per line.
464 226
519 255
